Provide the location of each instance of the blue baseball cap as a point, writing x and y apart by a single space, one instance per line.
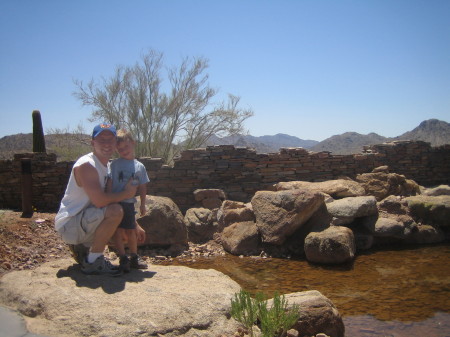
103 127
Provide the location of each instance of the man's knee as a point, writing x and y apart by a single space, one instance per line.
114 211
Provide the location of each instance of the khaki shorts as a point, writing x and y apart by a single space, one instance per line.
81 227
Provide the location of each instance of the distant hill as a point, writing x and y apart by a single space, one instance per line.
348 143
66 146
263 144
18 143
70 146
432 131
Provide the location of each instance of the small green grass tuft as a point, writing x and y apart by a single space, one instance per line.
273 321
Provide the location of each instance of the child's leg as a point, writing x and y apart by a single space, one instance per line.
132 240
135 261
118 241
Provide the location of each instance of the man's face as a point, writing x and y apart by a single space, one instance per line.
104 144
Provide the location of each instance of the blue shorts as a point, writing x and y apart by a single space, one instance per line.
129 216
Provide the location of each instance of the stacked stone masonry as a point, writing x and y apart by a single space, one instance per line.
239 172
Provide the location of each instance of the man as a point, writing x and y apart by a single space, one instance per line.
88 216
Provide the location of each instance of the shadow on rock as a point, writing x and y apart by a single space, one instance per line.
110 285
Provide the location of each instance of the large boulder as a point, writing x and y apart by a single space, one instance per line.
234 211
163 224
201 224
58 300
345 211
209 198
279 214
382 184
436 191
391 228
396 208
338 188
393 205
241 238
317 314
430 209
426 234
319 221
395 224
334 245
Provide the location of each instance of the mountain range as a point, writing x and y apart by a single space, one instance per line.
434 131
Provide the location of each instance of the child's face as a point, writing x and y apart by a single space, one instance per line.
126 149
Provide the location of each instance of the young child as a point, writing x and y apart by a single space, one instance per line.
120 171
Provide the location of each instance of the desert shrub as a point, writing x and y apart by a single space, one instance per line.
273 321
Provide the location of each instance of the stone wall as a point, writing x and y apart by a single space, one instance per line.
240 172
49 179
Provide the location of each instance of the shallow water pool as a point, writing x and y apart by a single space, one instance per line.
390 292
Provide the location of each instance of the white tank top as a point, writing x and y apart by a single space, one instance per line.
75 198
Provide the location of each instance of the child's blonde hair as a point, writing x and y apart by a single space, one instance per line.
124 135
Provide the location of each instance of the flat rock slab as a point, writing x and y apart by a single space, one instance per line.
57 299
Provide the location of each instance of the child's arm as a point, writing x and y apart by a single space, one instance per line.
142 191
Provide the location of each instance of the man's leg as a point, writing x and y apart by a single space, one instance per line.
96 264
106 228
86 224
79 252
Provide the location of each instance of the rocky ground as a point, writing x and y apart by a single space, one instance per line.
26 242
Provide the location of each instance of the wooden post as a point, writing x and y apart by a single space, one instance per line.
27 188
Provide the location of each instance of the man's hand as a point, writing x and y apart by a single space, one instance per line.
130 189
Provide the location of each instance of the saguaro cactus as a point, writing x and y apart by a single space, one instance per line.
38 133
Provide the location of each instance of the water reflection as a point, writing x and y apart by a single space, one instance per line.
395 292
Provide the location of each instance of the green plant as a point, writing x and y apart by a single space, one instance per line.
273 321
244 309
279 318
38 132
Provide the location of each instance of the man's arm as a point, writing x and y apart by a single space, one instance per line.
87 177
108 185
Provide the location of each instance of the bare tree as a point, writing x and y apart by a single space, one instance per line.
163 123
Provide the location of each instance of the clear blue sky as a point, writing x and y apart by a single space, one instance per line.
310 69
